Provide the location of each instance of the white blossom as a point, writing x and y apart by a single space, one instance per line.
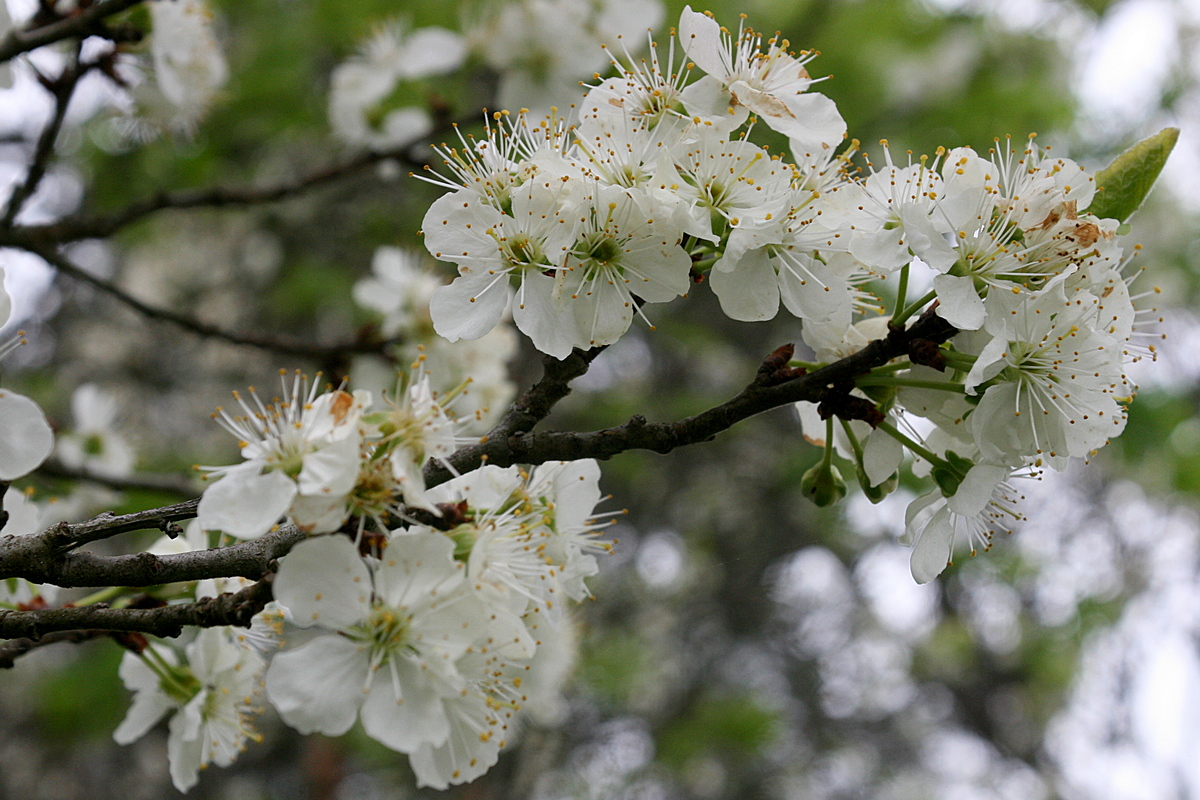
389 634
302 458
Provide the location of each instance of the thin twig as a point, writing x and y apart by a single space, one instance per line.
13 649
101 226
536 403
67 536
226 609
63 89
285 346
82 23
142 482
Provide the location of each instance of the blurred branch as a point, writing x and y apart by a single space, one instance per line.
773 387
226 609
13 649
285 346
100 226
63 89
147 482
82 23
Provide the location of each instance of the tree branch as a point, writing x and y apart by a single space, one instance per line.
142 482
82 24
285 346
536 403
50 557
101 226
13 649
762 394
226 609
63 89
37 559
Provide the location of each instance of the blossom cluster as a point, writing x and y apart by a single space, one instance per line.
433 615
398 291
576 227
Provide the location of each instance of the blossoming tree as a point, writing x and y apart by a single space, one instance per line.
400 543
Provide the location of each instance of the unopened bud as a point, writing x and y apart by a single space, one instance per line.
876 493
823 484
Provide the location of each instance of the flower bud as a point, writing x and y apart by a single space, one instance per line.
823 484
876 493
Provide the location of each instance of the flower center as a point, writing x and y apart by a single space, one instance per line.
385 632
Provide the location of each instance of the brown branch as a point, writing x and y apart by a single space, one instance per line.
226 609
286 346
66 536
83 23
535 404
39 560
767 391
13 649
101 226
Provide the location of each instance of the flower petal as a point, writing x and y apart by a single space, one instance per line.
323 581
25 437
244 502
318 688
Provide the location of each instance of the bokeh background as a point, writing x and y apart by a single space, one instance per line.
742 643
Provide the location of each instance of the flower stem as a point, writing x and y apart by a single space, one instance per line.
916 448
888 369
101 596
883 380
899 319
902 292
854 443
960 361
808 365
828 459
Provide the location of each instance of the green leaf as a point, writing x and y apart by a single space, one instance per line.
1123 185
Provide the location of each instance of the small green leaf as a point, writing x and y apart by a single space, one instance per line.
1123 185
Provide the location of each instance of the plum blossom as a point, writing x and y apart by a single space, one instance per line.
389 633
302 458
774 85
212 694
1049 383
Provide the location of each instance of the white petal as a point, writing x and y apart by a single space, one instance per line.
245 504
25 437
882 455
976 489
417 567
960 304
318 688
331 470
932 551
5 299
469 307
185 753
415 718
750 291
547 318
323 581
148 707
700 36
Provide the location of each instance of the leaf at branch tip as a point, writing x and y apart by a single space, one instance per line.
1124 184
